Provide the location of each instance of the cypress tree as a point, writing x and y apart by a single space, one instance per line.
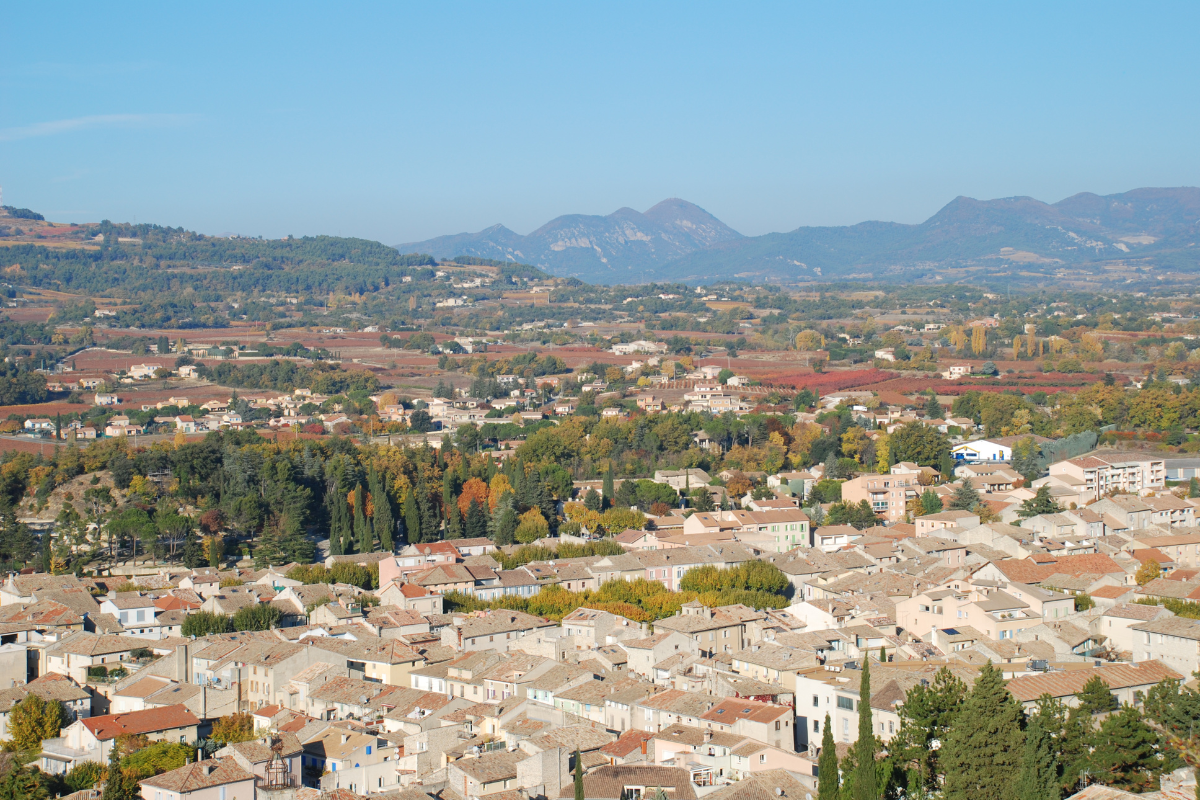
383 520
607 493
431 518
113 786
506 525
412 518
864 756
362 528
1039 767
982 752
337 510
828 782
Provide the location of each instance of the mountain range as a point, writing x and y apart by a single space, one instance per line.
1139 236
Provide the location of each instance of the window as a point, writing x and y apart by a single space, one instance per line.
816 701
222 793
845 702
368 749
776 724
762 758
891 727
816 726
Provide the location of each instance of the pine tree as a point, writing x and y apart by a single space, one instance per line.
592 501
477 520
506 525
933 409
930 502
982 753
1096 697
1039 767
1040 503
827 765
412 518
1125 754
965 498
607 494
193 550
454 523
865 787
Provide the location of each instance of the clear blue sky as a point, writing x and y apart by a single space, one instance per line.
400 122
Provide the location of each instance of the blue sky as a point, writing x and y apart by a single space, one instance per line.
399 122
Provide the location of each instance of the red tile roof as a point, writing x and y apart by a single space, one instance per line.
110 726
1028 688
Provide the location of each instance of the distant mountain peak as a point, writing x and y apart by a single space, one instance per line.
593 247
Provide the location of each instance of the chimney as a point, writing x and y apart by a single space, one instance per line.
183 664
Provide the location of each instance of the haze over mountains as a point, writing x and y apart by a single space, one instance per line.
1133 236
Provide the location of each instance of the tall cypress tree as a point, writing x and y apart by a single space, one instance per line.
337 509
383 520
1039 767
412 518
362 529
607 493
864 756
431 518
828 783
982 753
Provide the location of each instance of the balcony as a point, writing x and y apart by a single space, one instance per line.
286 780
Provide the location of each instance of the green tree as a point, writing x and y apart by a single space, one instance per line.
1039 767
32 721
454 522
156 758
930 502
608 494
918 443
593 501
933 409
1026 459
984 747
22 784
477 520
258 617
828 783
1194 487
382 520
84 775
205 623
702 500
1126 753
1096 697
114 788
412 519
964 498
1040 503
865 787
506 526
362 529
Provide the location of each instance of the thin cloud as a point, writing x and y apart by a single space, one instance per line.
39 129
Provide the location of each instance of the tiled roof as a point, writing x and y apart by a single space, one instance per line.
731 709
774 784
607 783
201 775
492 767
111 726
1027 688
53 686
630 741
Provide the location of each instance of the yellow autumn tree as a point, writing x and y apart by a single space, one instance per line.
809 340
978 339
